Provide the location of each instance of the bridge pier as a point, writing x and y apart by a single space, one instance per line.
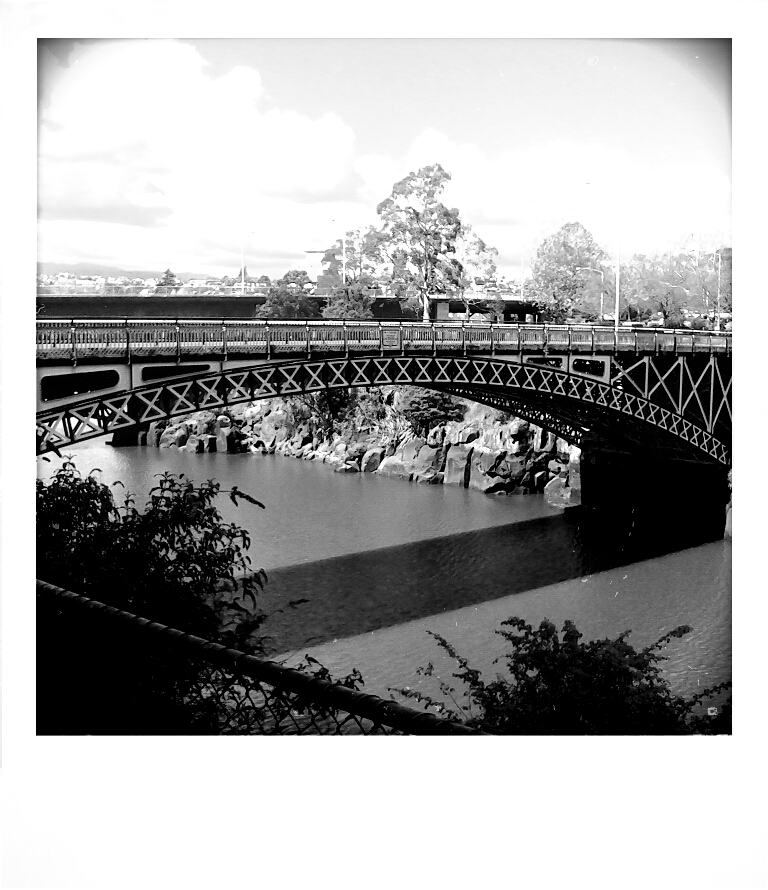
662 490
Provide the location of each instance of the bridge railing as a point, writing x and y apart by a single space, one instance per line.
77 339
187 684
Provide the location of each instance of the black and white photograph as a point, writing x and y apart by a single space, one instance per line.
380 405
383 387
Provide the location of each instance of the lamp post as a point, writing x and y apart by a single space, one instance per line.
618 277
242 263
601 273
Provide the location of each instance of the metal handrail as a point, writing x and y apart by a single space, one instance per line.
319 692
73 339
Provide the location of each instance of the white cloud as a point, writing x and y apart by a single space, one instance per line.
141 126
146 158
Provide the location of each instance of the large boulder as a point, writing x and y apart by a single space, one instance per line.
356 450
173 436
154 433
544 441
371 459
411 449
457 465
436 436
518 428
195 444
511 469
395 466
483 476
467 434
426 465
557 491
200 422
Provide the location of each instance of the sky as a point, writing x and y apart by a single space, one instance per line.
158 153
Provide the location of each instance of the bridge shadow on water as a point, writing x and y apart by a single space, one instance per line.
364 592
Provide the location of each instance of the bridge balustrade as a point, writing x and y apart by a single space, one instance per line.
287 337
105 339
362 337
54 340
200 338
625 341
450 338
665 342
416 336
506 338
149 338
245 337
74 340
533 337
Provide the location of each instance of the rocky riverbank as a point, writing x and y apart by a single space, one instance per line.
486 450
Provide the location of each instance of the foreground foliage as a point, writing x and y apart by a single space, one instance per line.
560 686
177 563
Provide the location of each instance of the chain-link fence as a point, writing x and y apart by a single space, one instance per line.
103 671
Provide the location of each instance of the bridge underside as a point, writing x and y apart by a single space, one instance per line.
582 423
643 407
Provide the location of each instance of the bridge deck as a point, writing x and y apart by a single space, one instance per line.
131 339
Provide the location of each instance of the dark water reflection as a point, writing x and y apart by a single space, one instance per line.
362 592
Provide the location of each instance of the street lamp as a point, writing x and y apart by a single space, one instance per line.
601 273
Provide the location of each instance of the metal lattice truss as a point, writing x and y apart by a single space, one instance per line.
687 398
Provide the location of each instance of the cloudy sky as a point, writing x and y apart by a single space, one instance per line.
156 153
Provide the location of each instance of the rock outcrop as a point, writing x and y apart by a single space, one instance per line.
486 451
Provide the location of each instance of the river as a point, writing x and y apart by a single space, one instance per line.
381 562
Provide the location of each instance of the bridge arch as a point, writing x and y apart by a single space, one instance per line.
641 405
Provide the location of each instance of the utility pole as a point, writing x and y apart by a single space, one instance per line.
344 261
242 263
618 274
719 268
601 273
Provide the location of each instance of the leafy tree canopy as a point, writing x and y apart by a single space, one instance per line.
169 280
418 234
476 261
287 298
558 282
425 408
352 302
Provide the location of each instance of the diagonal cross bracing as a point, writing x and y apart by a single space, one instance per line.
494 378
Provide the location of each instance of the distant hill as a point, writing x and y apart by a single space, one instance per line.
109 271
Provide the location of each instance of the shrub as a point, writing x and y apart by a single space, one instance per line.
177 562
559 686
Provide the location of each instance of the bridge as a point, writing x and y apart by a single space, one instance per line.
665 394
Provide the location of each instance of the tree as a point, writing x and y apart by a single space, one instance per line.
169 282
418 235
352 302
288 298
327 409
425 408
350 272
559 686
663 284
477 261
558 282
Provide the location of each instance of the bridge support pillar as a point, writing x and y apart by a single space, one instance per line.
665 490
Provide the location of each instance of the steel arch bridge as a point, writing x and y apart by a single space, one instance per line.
664 392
